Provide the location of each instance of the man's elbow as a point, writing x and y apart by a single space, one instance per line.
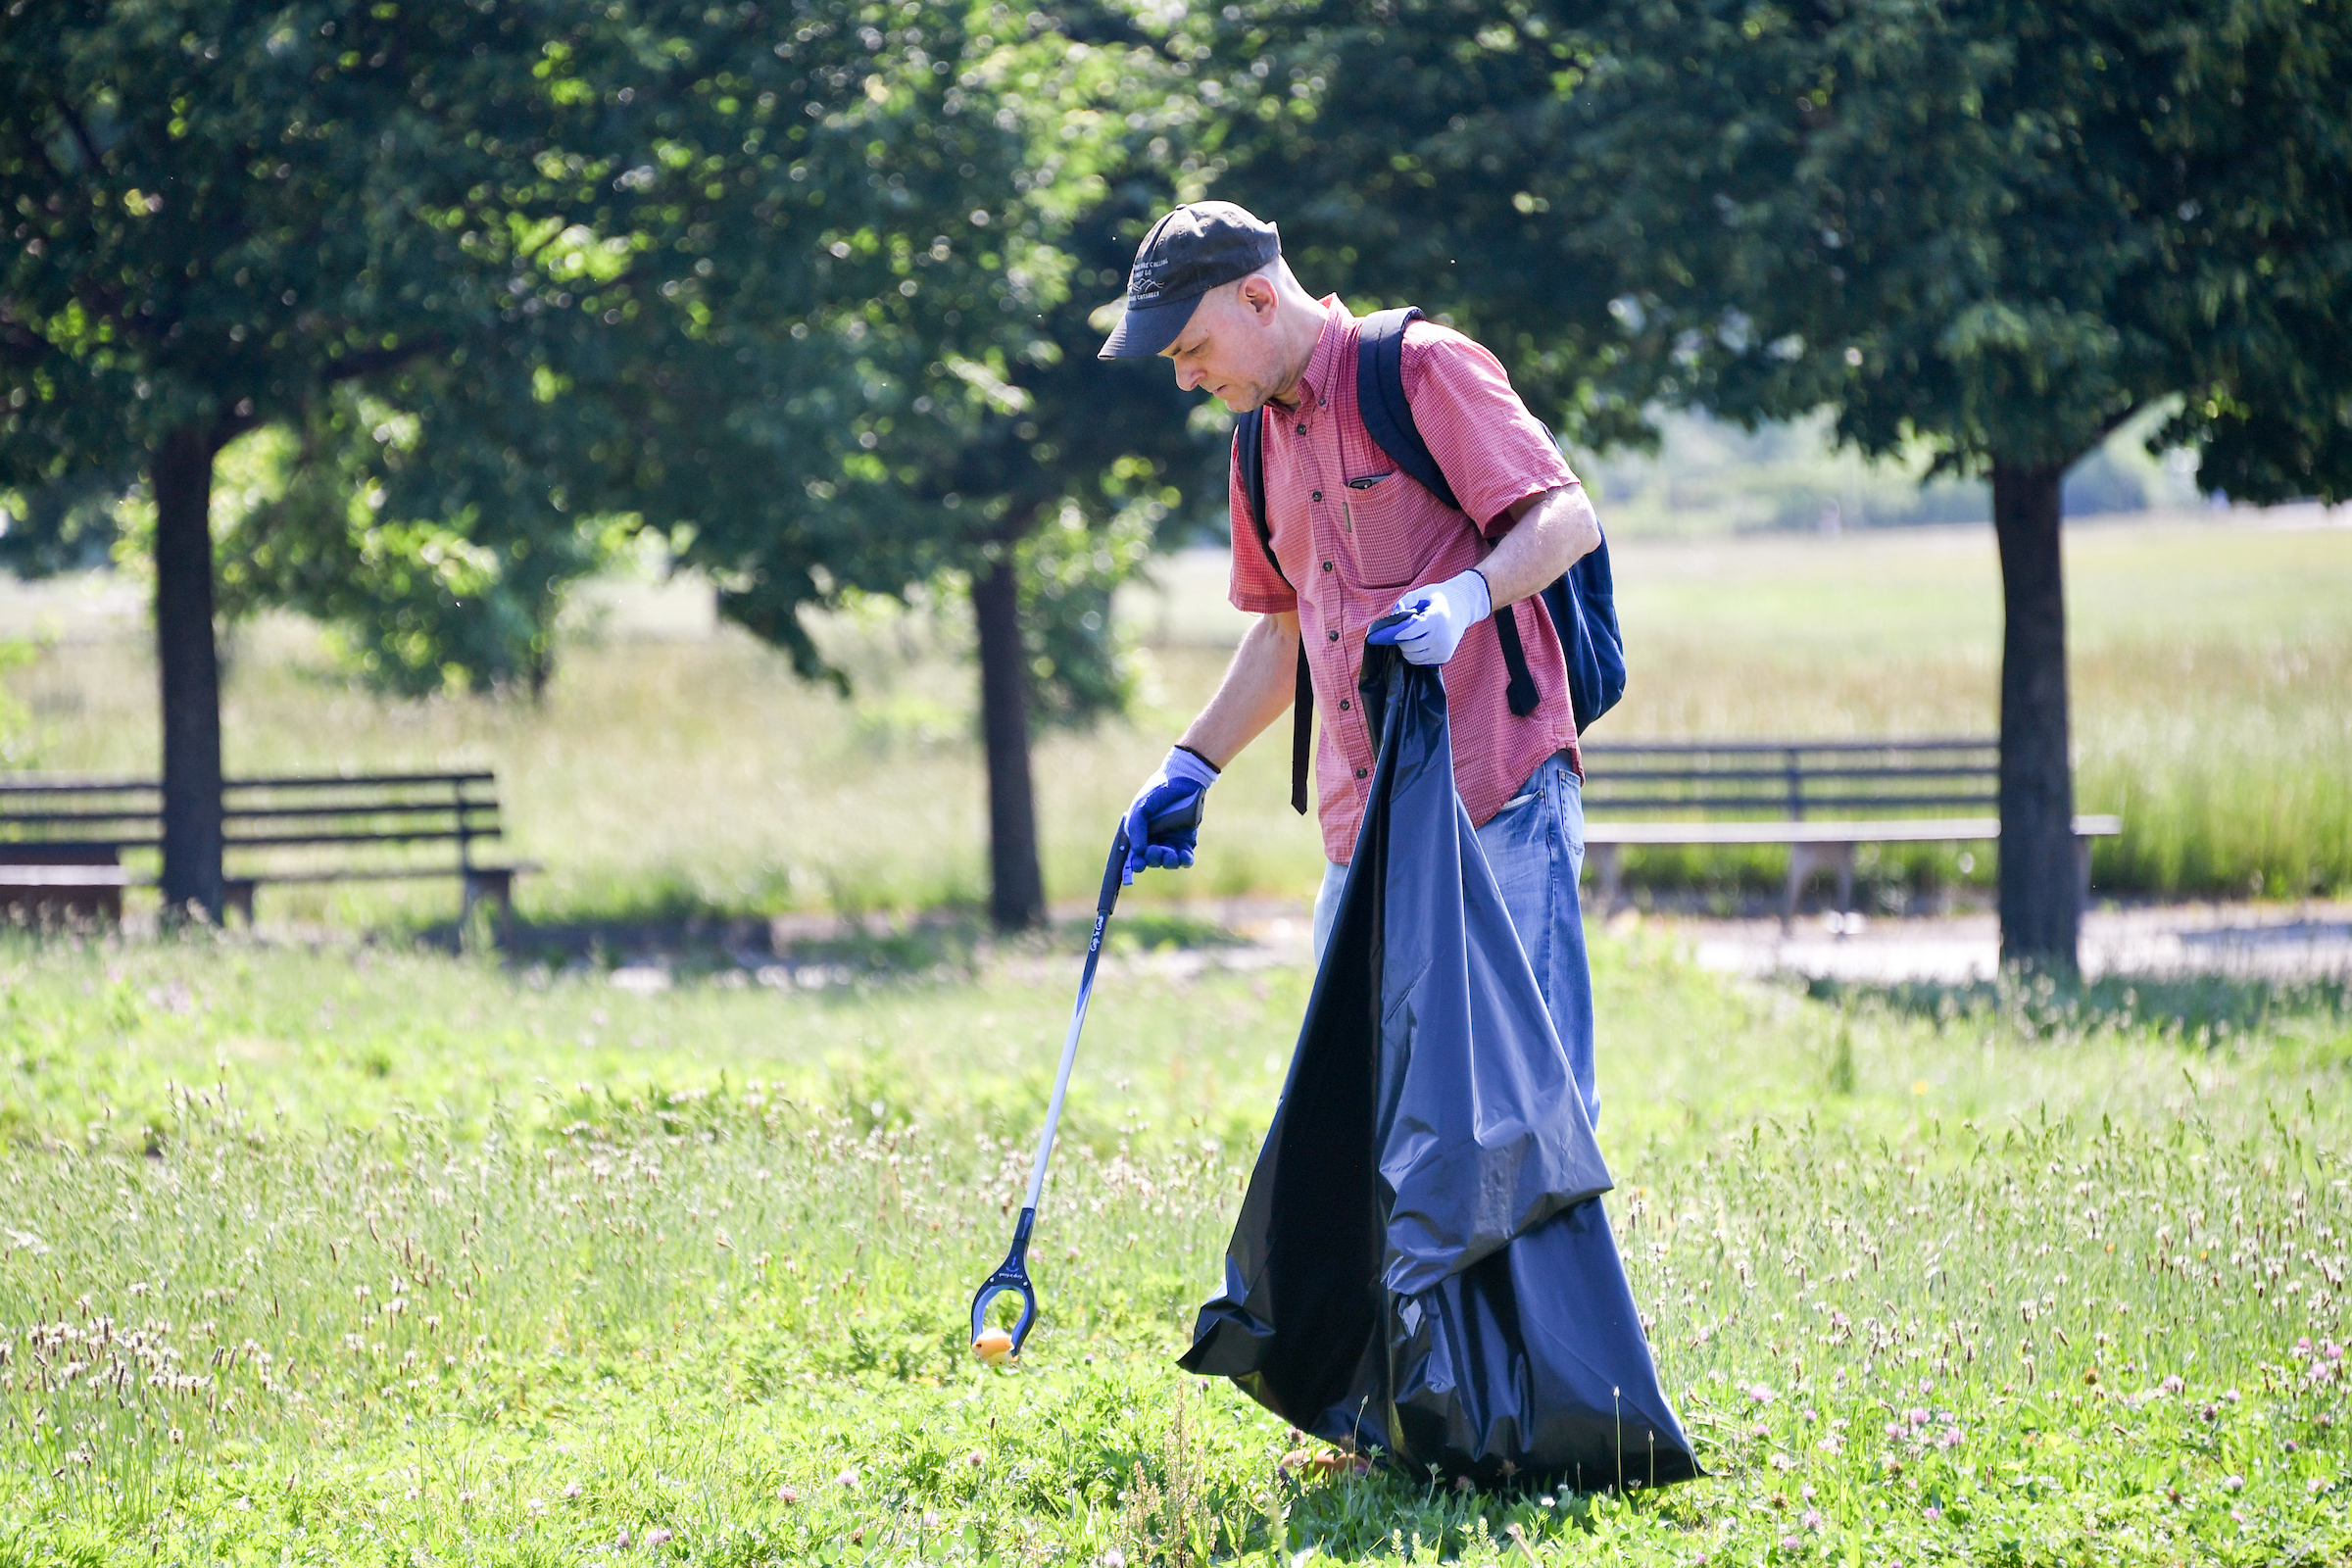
1580 533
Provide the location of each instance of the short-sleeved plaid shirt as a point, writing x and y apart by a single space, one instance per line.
1353 534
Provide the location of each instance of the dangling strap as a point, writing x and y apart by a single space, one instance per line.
1248 457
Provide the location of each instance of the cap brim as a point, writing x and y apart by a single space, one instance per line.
1142 333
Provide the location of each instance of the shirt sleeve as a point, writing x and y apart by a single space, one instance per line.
1255 587
1491 450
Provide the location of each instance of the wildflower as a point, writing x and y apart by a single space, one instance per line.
537 1505
1806 1491
620 1542
2234 1483
655 1537
1758 1391
1791 1543
787 1494
571 1489
1950 1437
1932 1513
465 1497
1833 1443
930 1518
1812 1414
1917 1416
2315 1485
848 1478
2171 1385
1810 1519
1114 1558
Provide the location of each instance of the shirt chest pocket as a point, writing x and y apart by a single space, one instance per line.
1386 522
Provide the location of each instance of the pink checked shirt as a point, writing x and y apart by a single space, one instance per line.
1354 534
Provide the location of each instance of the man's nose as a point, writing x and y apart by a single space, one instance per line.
1189 376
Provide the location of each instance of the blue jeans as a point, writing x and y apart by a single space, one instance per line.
1536 848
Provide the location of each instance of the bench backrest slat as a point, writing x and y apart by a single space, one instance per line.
1793 780
74 816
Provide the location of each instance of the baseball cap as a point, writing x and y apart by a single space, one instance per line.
1188 252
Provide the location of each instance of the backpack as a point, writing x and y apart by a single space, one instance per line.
1582 602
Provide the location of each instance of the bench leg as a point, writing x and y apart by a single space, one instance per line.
236 893
1845 878
1607 864
2081 873
1803 860
497 886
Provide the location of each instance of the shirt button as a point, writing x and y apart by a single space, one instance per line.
1318 495
1327 565
1302 429
1334 636
1359 773
1344 704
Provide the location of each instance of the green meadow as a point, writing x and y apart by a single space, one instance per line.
321 1246
356 1253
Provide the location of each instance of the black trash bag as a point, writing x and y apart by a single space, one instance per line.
1422 1266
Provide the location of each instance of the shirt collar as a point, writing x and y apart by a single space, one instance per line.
1314 385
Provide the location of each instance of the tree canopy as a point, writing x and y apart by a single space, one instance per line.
1993 228
503 269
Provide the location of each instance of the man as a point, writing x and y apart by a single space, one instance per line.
1353 539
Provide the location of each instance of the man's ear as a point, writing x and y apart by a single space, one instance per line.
1257 296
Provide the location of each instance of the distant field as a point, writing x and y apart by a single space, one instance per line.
678 766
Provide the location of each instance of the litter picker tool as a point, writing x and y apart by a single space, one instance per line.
1012 1275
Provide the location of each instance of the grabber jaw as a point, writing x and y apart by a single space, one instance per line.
1011 1275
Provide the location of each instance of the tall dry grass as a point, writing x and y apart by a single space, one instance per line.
678 765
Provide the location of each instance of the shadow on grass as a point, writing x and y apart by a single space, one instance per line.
2202 1007
687 938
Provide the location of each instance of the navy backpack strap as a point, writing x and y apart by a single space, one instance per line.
1388 416
1380 399
1250 459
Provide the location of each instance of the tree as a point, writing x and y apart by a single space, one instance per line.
1996 228
220 213
662 258
965 426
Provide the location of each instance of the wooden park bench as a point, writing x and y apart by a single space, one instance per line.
62 840
1822 799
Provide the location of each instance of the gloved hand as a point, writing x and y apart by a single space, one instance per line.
1441 614
1174 792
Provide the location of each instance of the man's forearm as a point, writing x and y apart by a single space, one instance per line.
1553 532
1258 685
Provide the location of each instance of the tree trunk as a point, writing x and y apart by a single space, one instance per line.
183 475
1016 887
2042 895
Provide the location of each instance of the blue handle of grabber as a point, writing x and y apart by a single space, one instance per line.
1012 1275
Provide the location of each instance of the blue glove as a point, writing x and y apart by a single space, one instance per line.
1441 614
1163 824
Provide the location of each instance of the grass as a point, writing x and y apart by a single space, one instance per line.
678 770
370 1255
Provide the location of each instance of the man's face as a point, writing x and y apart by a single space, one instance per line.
1229 349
